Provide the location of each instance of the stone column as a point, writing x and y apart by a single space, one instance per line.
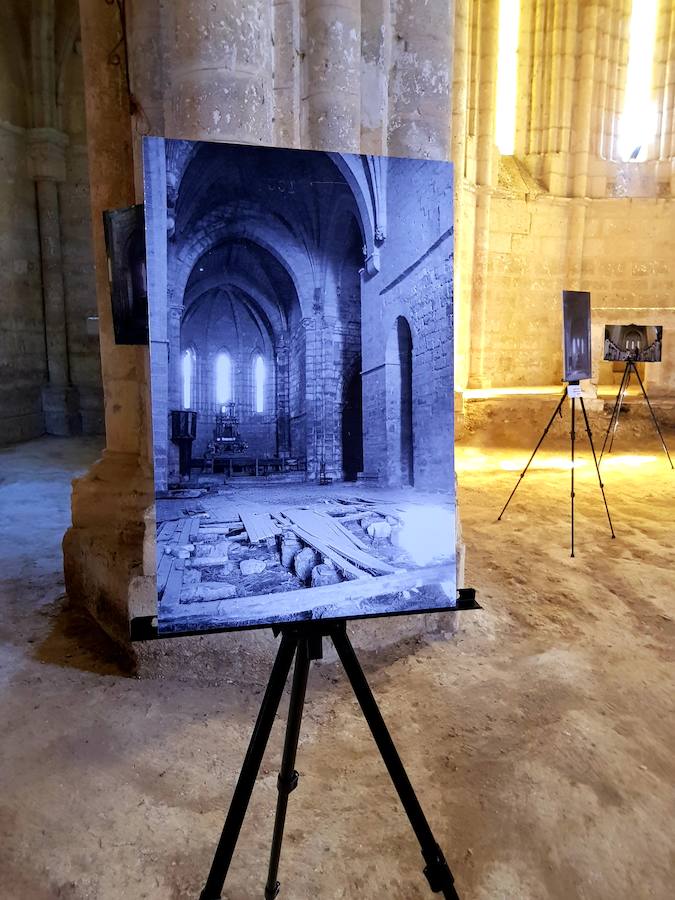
103 548
286 19
218 70
375 62
463 230
283 397
420 79
47 166
332 70
485 177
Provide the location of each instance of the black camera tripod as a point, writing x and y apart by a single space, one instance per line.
616 412
558 411
303 641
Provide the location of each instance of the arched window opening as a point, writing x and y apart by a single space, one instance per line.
259 384
188 377
224 393
638 121
507 76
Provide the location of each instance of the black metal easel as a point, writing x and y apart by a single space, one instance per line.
558 411
616 412
303 640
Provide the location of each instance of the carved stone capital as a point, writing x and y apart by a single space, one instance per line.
47 154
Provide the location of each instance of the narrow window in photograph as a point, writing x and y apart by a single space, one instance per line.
188 375
223 378
259 384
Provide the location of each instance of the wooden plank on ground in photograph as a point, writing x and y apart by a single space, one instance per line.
174 584
186 528
322 527
224 530
166 530
163 570
259 525
349 516
325 525
350 570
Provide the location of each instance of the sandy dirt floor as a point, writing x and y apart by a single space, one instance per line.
540 737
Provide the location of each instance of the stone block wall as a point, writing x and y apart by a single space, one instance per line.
50 371
23 360
626 262
526 273
23 363
629 267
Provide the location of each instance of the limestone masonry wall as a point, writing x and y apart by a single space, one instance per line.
50 373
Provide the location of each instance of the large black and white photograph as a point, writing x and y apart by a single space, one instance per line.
639 343
576 335
301 336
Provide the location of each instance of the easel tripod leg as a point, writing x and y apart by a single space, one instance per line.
626 385
616 409
656 423
597 465
572 439
534 452
288 777
437 871
249 771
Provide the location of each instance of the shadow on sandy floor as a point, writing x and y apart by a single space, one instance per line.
76 641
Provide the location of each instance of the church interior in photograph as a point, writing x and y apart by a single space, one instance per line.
300 312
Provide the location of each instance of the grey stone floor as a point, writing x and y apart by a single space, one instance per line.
539 738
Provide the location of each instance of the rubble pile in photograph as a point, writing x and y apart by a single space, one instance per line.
217 553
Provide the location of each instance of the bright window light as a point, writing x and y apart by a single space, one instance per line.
259 383
223 379
638 121
187 371
507 76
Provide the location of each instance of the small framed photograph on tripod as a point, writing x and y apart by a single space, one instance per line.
576 335
638 343
632 344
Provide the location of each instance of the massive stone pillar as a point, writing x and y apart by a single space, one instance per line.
284 71
47 166
103 548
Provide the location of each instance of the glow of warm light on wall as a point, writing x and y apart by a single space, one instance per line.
551 462
470 459
638 121
626 460
507 76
